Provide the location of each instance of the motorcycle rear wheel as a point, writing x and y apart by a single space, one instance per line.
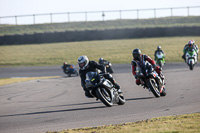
163 93
105 96
153 87
121 100
109 69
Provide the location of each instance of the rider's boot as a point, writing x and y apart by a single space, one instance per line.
117 87
183 56
162 76
88 95
109 77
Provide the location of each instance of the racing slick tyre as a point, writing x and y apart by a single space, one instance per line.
105 96
154 87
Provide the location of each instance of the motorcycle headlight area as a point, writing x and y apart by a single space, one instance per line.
93 81
88 84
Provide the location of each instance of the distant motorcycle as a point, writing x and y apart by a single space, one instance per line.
69 70
150 79
160 59
191 58
103 89
107 64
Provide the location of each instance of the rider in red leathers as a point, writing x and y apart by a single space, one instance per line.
137 56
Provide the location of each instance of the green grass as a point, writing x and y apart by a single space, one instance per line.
99 25
116 51
172 124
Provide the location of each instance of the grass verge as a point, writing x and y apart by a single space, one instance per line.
116 51
188 123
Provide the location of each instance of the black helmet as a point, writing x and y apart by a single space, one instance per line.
136 54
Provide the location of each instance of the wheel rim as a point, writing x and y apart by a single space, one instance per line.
155 86
106 94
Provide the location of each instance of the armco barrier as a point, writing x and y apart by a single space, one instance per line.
88 35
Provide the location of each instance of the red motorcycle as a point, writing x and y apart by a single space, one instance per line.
150 79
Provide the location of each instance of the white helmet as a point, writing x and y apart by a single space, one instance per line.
83 62
100 59
159 48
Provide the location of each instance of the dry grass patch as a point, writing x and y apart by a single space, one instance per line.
7 81
188 123
116 51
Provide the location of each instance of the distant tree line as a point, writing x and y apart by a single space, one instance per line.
88 35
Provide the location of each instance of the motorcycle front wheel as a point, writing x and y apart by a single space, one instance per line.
191 65
160 64
153 87
109 69
105 96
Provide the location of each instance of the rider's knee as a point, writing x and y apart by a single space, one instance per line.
137 82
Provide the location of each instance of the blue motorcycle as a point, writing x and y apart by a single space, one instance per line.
69 69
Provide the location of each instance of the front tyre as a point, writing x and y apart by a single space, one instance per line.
191 65
109 69
160 64
121 100
154 87
105 96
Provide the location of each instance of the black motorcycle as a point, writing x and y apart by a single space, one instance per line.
107 65
150 79
103 89
69 70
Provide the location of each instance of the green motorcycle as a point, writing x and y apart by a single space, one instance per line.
160 59
191 58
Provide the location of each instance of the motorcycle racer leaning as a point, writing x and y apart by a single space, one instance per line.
87 66
67 66
137 56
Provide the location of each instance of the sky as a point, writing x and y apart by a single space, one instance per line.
26 7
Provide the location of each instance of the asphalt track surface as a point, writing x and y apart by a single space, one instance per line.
55 104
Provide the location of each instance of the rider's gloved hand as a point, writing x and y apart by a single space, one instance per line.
102 73
154 66
158 69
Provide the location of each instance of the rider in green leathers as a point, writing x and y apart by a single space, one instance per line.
191 45
159 50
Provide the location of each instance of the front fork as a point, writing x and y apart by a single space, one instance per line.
160 83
